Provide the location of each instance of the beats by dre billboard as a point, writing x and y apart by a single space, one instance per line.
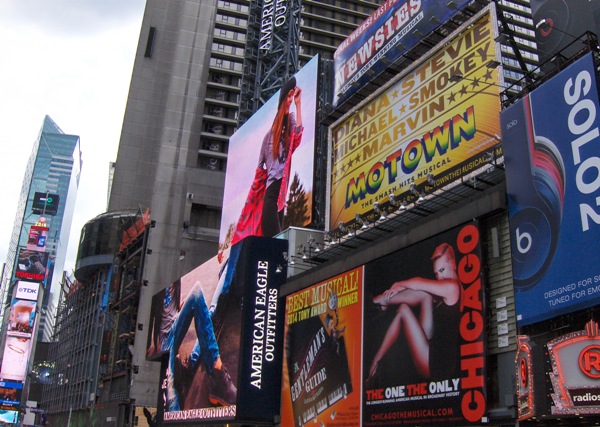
550 140
566 20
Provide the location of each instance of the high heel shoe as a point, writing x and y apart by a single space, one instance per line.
377 305
373 379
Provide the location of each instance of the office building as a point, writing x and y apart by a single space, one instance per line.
53 169
182 107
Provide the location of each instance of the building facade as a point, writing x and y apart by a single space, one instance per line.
53 168
182 107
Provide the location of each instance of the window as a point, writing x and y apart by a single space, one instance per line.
205 216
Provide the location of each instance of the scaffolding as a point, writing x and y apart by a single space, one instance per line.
92 344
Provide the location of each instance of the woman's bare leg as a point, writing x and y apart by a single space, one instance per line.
417 330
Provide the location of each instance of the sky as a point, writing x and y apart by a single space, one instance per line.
71 60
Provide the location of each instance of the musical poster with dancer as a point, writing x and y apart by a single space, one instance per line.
321 363
423 334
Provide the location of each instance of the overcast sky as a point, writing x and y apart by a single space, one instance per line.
70 60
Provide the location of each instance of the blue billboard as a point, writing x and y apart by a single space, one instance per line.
391 31
551 145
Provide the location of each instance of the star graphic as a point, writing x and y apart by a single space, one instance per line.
403 109
343 168
350 163
357 158
475 82
463 90
487 76
452 97
395 94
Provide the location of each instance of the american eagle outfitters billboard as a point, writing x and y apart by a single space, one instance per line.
218 332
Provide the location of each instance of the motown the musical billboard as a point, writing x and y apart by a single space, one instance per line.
269 181
322 356
422 126
424 333
550 140
392 30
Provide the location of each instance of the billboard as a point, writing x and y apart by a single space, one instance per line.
22 317
269 181
32 265
553 181
45 203
322 356
423 130
566 373
384 37
423 333
226 318
565 20
37 238
10 395
27 290
16 357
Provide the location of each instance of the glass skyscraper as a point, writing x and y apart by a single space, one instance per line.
53 169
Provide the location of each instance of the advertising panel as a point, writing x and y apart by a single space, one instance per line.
16 358
553 180
32 265
9 416
22 318
525 390
10 395
45 203
202 320
322 360
567 377
565 20
27 290
424 130
423 333
391 31
269 181
37 238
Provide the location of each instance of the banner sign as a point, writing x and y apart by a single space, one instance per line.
218 330
550 142
27 290
566 374
390 32
575 372
322 361
526 407
16 357
423 130
424 334
22 318
45 203
37 238
10 395
32 265
269 181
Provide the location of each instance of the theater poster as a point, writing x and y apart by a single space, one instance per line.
322 353
424 332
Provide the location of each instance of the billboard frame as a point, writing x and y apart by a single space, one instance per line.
489 9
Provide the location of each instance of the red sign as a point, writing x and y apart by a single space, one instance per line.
575 372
